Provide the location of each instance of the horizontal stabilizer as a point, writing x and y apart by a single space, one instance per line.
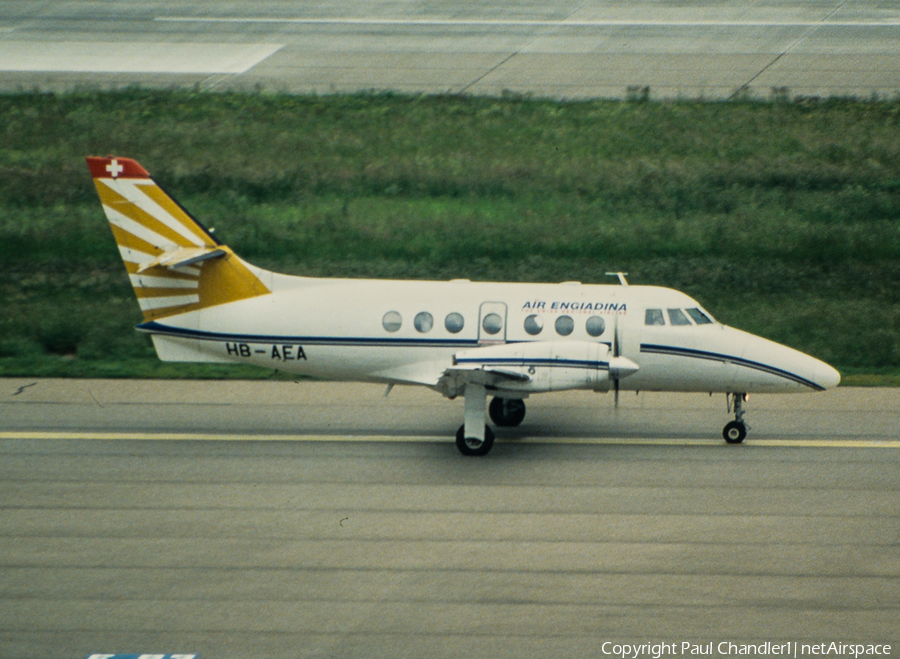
182 256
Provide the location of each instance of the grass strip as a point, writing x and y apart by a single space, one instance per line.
781 218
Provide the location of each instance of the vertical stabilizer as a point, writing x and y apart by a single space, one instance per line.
175 265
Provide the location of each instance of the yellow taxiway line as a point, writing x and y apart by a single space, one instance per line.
170 436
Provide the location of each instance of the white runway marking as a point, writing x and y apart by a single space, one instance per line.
475 22
132 57
618 441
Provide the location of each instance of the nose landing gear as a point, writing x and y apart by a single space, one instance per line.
735 431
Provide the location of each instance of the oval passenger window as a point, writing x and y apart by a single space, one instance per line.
392 321
564 325
454 322
595 326
492 323
423 322
534 324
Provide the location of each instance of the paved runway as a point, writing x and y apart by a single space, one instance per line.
379 540
714 49
324 520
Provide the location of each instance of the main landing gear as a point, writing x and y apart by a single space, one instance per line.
474 437
507 412
735 431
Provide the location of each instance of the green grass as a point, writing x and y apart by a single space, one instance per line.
783 219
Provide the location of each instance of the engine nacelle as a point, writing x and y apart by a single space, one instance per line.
545 366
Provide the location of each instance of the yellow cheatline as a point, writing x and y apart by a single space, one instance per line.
780 443
620 441
199 436
836 443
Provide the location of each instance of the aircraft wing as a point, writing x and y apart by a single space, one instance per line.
454 379
451 380
485 375
426 373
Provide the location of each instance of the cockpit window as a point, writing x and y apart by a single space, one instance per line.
699 317
677 317
654 317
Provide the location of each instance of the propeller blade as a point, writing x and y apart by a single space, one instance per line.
615 349
615 345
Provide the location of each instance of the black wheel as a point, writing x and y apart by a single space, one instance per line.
734 432
507 412
472 446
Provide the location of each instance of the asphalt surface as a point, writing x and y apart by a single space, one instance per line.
715 49
319 520
281 519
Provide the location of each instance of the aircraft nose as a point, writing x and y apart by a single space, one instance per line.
773 367
826 376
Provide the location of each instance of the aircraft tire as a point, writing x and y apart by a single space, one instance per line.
474 447
734 432
507 413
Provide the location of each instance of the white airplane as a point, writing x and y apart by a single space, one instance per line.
202 303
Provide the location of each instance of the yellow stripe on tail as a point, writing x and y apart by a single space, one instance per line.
175 264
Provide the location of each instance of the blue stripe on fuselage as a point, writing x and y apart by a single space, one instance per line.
651 348
154 327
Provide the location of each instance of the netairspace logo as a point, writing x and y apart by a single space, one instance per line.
792 649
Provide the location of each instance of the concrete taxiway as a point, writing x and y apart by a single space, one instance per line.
714 49
286 519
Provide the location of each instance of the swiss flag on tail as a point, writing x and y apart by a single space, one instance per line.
116 168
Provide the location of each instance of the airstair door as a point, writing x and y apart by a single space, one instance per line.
492 323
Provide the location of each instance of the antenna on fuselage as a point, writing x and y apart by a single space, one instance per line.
620 275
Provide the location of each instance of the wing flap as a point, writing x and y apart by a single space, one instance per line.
486 375
454 380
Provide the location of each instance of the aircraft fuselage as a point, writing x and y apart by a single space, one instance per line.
409 331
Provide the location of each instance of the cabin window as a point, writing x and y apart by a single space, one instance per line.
492 323
595 326
564 325
392 321
654 317
677 317
423 322
454 322
534 324
699 317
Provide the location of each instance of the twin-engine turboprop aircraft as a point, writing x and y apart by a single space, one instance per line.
202 303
